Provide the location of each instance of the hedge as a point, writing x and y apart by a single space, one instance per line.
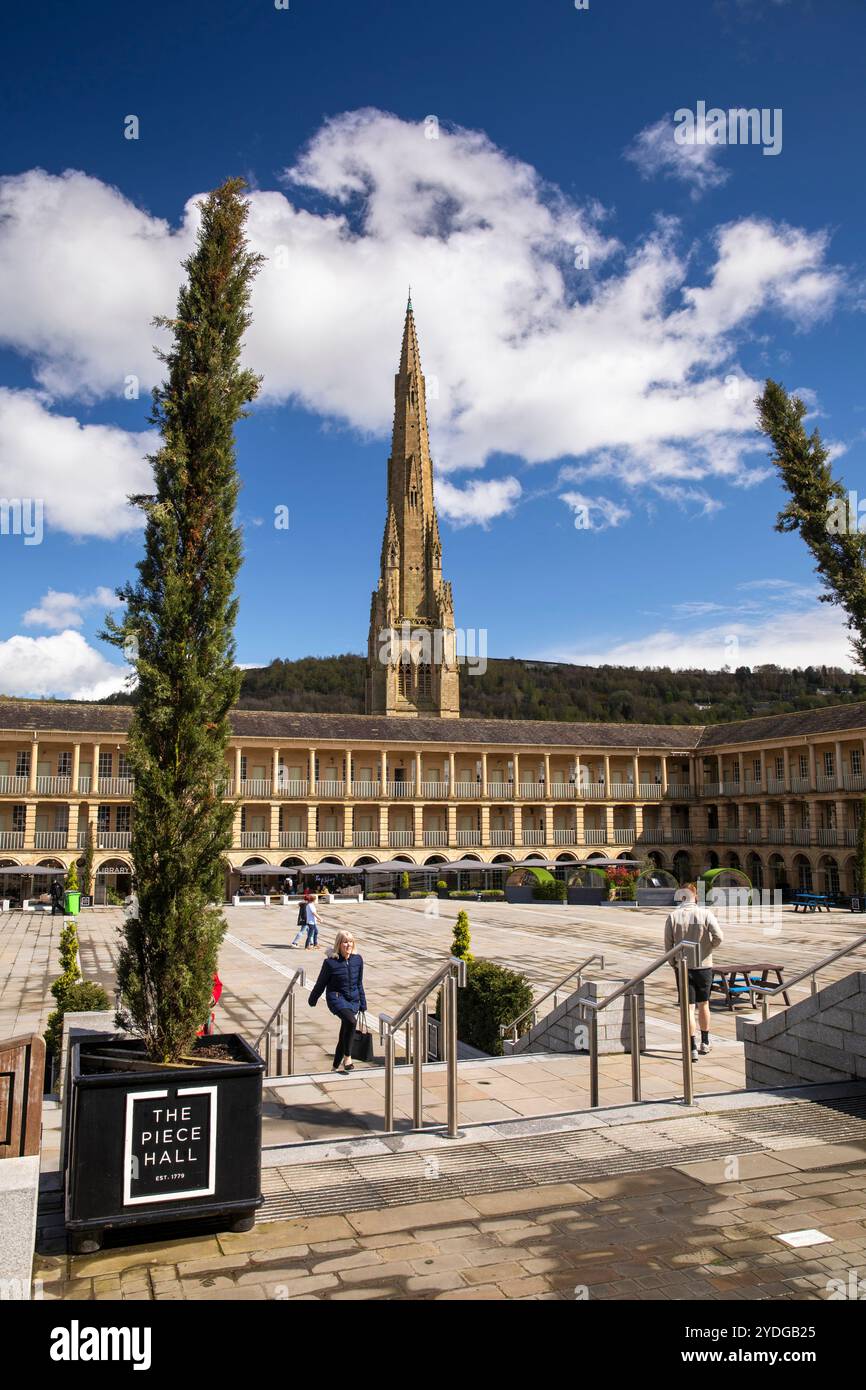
493 995
381 895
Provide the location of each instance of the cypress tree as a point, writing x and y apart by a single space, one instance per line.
179 624
818 510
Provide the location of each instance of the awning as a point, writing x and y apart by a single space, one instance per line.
24 869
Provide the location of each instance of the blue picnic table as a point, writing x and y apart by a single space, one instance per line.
811 902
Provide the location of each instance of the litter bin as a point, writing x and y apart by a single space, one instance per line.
72 904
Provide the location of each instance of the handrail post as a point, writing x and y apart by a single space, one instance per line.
417 1072
593 1060
685 1030
389 1080
290 1025
281 1045
634 1018
450 992
425 1033
814 983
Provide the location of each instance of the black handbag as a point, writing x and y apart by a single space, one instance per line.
362 1043
302 914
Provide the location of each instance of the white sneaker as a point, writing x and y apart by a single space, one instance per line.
705 1047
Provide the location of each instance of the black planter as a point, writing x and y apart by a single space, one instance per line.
161 1144
589 896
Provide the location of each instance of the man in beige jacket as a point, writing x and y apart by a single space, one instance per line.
689 922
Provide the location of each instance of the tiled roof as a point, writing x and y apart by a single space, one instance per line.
50 716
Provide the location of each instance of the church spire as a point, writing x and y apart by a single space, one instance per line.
411 590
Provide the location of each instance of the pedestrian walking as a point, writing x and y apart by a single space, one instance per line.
312 924
302 918
56 897
341 979
689 922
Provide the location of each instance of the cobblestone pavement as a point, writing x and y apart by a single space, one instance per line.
673 1233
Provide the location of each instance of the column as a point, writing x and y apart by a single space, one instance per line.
578 821
238 755
94 777
348 824
786 771
76 764
635 763
741 781
485 822
518 823
274 837
72 825
311 827
547 774
452 826
451 774
383 779
840 822
638 820
813 781
607 774
312 772
34 761
349 772
275 773
608 820
839 770
484 784
417 773
548 825
417 825
664 762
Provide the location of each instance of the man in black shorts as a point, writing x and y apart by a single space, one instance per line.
689 922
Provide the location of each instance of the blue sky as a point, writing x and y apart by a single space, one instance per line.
596 303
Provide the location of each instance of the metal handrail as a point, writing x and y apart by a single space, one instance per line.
451 976
677 953
578 970
286 1030
767 991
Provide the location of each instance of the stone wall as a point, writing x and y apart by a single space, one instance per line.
565 1028
822 1038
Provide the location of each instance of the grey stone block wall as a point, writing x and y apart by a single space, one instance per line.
19 1193
821 1038
565 1028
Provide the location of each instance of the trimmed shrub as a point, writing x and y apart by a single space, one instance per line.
551 891
416 894
468 893
461 939
404 880
72 878
493 996
441 884
380 895
492 893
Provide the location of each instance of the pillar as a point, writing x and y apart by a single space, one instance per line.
485 821
238 756
635 763
813 781
548 825
76 765
349 772
839 769
275 772
348 824
518 824
608 816
452 824
274 837
607 774
94 779
451 775
72 825
578 821
484 791
312 772
664 762
547 774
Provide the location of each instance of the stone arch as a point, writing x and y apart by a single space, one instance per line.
365 859
712 860
755 870
803 873
777 871
682 866
502 859
436 859
656 857
293 862
51 864
850 875
532 858
566 858
828 875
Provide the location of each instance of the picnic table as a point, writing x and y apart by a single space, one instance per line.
813 902
738 983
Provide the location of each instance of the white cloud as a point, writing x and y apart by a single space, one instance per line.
594 513
82 473
655 151
479 501
629 362
57 609
64 665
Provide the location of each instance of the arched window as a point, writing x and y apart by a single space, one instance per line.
425 682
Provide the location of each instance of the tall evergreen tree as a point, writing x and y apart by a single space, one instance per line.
179 622
818 510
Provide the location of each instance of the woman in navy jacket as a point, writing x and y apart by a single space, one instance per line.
341 979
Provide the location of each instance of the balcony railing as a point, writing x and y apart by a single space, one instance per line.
679 791
292 839
51 839
435 839
466 791
826 782
534 837
679 835
622 791
624 837
595 837
500 791
753 788
115 786
800 784
255 786
469 837
401 839
502 837
13 785
329 839
400 789
292 786
563 791
650 791
11 839
330 788
81 840
776 785
434 791
367 789
592 791
53 786
565 837
854 781
255 839
533 790
801 836
113 839
777 835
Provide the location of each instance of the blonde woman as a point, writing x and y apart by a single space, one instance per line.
341 979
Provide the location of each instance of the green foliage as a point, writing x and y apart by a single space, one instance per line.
87 863
493 996
72 878
85 996
404 880
373 896
466 893
515 689
550 890
441 884
461 939
498 893
113 898
417 894
179 623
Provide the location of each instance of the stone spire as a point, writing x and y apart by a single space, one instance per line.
414 673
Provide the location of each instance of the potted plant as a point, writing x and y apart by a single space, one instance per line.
404 885
72 897
442 888
165 1124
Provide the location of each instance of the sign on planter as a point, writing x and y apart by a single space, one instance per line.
170 1144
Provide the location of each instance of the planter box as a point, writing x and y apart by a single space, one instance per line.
589 897
161 1144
